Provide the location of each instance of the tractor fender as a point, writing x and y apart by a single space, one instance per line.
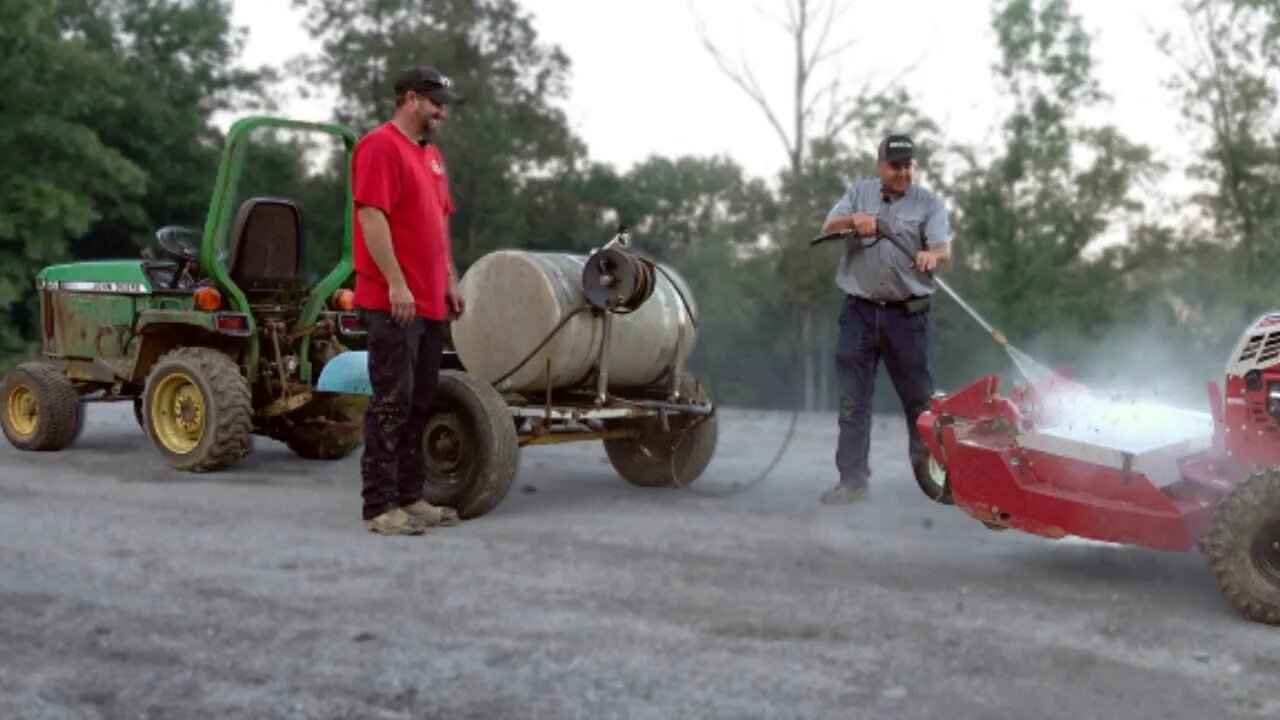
346 373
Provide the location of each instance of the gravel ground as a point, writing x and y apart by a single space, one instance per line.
129 591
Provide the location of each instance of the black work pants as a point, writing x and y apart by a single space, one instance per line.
404 368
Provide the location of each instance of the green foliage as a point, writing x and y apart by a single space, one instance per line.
57 175
1229 81
1030 219
510 153
106 134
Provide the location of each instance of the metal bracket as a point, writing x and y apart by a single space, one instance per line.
602 362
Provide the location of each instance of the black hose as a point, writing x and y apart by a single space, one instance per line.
563 321
782 449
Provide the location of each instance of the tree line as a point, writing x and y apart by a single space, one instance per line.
106 134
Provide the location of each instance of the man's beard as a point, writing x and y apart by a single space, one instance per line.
429 125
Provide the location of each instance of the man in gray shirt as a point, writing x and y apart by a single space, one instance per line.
886 305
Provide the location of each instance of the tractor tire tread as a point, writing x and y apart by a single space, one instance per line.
325 445
61 414
233 403
1249 506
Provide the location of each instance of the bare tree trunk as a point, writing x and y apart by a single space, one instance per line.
825 368
807 354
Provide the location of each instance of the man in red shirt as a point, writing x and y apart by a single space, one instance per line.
405 292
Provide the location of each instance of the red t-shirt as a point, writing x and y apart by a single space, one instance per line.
407 182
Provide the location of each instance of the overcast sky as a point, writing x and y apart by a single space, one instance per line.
642 84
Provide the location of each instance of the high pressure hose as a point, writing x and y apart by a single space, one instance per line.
734 489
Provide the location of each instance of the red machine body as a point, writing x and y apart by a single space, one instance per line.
1038 460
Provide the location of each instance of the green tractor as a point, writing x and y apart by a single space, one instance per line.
215 341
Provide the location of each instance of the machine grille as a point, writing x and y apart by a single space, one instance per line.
1270 348
1261 348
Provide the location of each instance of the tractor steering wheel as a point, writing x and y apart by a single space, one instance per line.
180 243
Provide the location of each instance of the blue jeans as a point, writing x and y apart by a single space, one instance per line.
869 332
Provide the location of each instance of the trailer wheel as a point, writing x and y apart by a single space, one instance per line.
39 408
470 446
675 458
1243 547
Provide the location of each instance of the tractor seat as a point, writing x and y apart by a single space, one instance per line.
265 251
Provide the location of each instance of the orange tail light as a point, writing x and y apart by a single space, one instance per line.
208 299
343 300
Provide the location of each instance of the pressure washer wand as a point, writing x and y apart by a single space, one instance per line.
843 234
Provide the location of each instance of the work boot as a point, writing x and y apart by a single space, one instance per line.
843 494
396 522
432 515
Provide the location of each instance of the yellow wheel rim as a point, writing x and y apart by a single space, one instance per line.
21 411
177 413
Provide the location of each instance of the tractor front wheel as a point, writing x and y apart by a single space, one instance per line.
470 446
41 409
198 410
1243 548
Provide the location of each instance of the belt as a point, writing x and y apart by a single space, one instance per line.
887 303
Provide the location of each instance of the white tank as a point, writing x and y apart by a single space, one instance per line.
514 299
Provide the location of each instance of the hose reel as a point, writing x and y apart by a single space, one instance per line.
617 281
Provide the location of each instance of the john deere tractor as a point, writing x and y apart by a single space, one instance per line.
214 338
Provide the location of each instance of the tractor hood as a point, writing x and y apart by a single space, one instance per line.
109 276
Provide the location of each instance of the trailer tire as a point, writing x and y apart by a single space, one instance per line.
39 408
675 458
469 446
1243 548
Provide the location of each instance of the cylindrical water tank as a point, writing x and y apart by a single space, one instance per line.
515 298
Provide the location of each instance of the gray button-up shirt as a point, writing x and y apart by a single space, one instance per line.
884 272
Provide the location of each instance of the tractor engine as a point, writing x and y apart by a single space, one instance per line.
1248 426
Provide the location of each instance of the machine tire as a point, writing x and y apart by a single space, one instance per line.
1243 547
675 458
322 429
470 446
927 475
224 422
137 414
58 416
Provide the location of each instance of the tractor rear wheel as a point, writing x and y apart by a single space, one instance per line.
198 410
327 428
1243 548
470 446
41 409
675 458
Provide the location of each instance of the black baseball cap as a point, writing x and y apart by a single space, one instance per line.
897 147
428 82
